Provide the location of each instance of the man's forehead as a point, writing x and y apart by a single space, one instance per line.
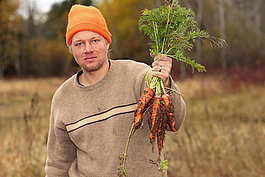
86 34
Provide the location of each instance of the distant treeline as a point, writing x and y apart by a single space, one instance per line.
33 43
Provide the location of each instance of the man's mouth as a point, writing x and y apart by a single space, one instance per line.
90 59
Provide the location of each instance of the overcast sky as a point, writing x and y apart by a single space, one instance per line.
45 5
42 5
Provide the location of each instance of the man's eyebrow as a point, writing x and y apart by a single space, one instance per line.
95 37
79 40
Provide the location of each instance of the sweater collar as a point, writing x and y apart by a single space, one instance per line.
81 72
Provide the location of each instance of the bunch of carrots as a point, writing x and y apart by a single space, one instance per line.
159 106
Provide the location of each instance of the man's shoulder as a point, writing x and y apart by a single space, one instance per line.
65 87
131 65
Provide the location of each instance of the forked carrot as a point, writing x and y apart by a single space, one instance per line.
169 108
161 131
154 118
149 111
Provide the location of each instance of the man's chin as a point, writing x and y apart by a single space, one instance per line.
92 68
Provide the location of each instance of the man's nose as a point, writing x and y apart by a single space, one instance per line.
88 48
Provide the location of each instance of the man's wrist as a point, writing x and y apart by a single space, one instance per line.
168 82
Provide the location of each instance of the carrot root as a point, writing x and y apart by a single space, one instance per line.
146 96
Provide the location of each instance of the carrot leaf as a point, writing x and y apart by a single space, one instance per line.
148 80
163 166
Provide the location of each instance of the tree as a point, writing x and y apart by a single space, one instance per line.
56 22
48 49
222 32
8 19
199 21
122 18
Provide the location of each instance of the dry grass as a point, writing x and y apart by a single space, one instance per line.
24 121
223 134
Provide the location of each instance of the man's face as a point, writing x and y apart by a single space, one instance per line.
90 50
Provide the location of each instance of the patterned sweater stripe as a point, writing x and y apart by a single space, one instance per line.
101 116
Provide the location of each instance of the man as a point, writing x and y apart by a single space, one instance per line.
93 111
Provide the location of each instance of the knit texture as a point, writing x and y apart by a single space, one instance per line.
89 125
86 18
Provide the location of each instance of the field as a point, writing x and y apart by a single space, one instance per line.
223 134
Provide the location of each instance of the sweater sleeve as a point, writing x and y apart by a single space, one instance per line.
178 102
61 150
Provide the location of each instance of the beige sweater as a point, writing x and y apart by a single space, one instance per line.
89 125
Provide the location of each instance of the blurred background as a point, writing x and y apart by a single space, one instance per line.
33 35
223 134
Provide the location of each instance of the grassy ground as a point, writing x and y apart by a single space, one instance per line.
24 123
223 134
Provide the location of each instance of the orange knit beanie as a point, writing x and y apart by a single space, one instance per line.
86 18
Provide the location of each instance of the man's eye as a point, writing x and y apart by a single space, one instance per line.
78 44
95 40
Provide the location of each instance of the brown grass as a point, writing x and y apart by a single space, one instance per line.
24 121
223 134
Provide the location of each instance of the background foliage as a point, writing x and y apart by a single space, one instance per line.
33 44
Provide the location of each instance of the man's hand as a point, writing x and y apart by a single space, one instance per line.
161 67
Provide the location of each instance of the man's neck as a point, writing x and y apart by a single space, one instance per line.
90 78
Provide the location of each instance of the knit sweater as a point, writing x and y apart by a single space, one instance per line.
89 125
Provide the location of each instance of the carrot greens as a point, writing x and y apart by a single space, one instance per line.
172 28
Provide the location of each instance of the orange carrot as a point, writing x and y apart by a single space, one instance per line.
154 118
146 96
169 108
161 131
150 110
